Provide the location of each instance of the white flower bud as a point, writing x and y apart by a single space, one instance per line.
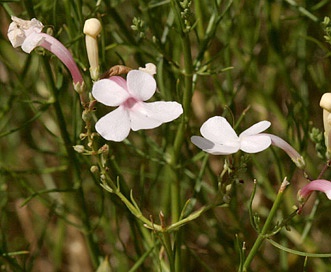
92 29
325 103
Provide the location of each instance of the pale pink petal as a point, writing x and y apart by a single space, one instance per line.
110 92
212 148
115 126
141 85
218 130
31 42
256 128
254 144
151 115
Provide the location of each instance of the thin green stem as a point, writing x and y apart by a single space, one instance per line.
263 235
92 245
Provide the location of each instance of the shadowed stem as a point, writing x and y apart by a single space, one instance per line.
93 248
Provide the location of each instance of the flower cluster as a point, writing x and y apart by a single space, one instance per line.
133 113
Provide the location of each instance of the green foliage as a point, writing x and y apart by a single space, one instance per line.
71 201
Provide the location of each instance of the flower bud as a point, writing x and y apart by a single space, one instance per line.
325 103
92 29
94 169
79 148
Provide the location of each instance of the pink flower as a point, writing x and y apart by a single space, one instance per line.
219 138
321 185
132 112
28 35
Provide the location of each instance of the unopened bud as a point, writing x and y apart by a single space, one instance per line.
92 29
94 169
79 148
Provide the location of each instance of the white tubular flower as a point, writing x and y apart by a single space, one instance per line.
325 103
219 138
92 29
132 112
28 35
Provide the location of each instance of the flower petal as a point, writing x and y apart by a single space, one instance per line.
111 92
254 144
218 130
256 128
212 148
115 126
20 29
141 85
31 42
151 115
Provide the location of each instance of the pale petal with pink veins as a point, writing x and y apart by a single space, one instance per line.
110 92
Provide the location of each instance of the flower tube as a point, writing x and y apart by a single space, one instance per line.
290 151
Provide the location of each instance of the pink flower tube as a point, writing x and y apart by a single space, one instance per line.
28 35
321 185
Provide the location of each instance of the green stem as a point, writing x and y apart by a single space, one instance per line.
263 235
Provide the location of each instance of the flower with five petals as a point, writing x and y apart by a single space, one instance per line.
219 138
132 112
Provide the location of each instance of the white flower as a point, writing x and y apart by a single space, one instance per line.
221 139
132 112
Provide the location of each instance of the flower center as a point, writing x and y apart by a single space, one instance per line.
130 102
